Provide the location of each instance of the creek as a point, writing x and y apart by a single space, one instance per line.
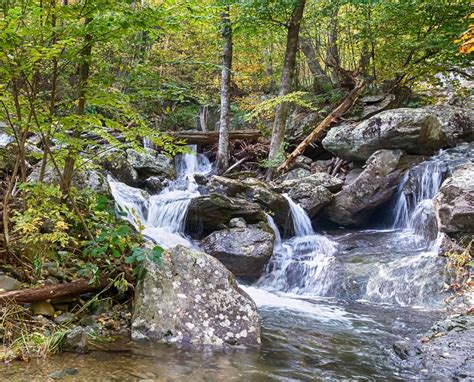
332 302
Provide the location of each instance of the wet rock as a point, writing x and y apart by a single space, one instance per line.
206 213
312 192
405 349
78 339
150 163
42 308
254 191
60 374
192 298
374 186
454 203
8 283
446 350
416 131
154 184
272 202
244 251
117 164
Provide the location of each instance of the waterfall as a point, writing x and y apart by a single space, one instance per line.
163 216
416 190
418 277
303 264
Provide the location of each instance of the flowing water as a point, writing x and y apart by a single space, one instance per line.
332 304
163 215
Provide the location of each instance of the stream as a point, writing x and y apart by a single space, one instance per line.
332 303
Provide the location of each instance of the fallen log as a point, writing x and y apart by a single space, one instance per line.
49 292
343 107
209 137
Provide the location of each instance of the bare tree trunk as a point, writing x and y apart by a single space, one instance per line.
333 59
321 80
223 148
286 82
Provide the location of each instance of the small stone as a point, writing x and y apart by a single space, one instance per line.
64 318
237 223
8 283
42 308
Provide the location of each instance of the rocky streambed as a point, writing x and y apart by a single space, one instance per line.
311 275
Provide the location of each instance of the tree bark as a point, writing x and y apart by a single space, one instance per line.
333 59
286 82
321 80
209 137
343 107
224 124
47 292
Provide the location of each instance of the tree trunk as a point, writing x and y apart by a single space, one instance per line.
343 107
287 75
333 59
223 150
321 80
47 292
84 68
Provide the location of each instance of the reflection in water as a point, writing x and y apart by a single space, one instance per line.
300 342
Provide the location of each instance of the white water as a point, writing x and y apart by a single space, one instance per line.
301 265
163 216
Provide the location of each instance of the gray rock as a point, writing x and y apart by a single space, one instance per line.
148 163
92 179
405 349
192 298
295 174
117 164
244 251
454 203
417 131
154 184
312 192
237 223
374 186
376 104
78 339
254 191
206 213
8 283
323 179
446 350
65 318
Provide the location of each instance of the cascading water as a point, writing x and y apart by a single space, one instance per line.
416 279
302 264
163 215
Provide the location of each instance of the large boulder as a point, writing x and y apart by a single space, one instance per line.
244 251
374 186
255 191
190 297
117 164
416 131
92 179
312 192
208 213
149 163
454 203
